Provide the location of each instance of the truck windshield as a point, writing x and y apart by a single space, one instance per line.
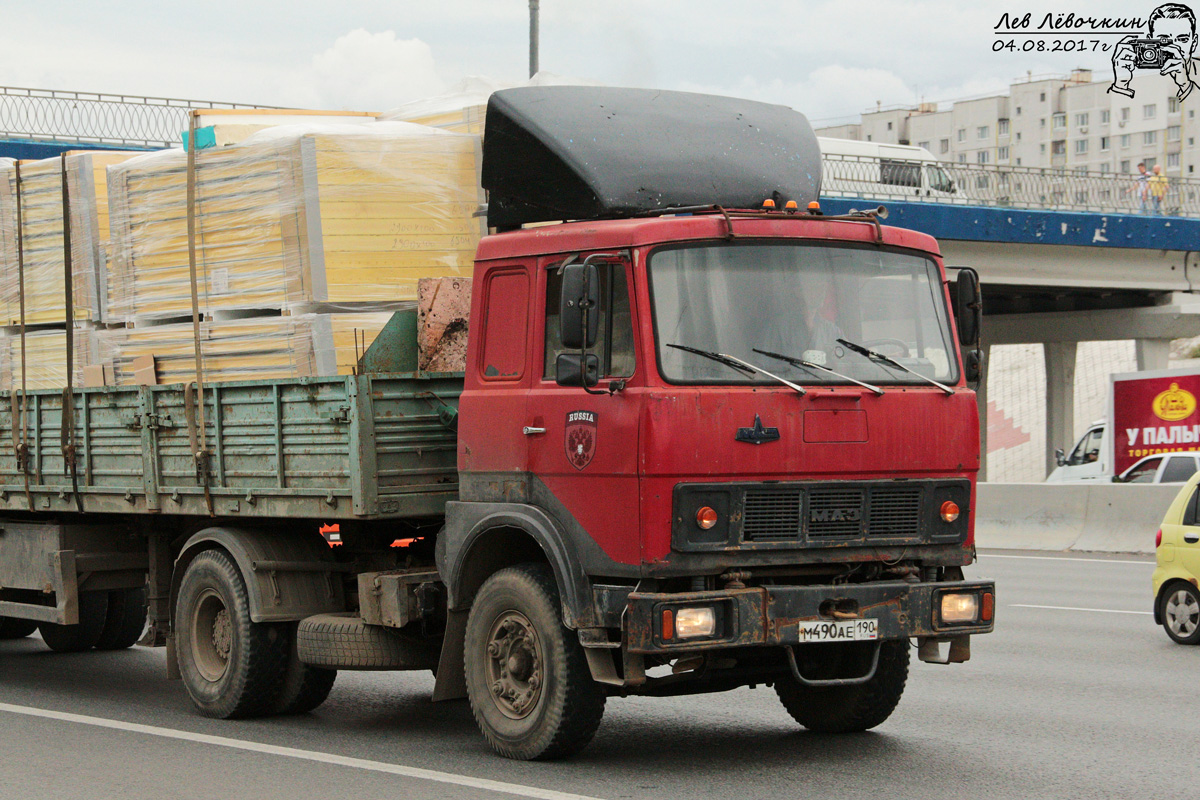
797 300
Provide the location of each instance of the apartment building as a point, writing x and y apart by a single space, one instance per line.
1070 122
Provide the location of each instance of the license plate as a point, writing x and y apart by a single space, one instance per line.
852 630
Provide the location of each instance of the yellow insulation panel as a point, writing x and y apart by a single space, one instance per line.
296 215
42 232
46 357
256 348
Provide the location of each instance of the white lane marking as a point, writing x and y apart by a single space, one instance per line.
306 755
1073 608
1069 558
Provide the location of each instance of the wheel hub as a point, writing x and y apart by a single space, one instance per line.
222 635
1183 613
211 634
514 665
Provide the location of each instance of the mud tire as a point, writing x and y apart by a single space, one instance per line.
13 628
850 709
231 667
562 713
125 621
93 611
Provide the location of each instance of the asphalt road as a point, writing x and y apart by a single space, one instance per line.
1077 695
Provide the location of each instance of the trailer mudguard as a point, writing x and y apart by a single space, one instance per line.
288 576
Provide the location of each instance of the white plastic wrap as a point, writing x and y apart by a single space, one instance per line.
296 217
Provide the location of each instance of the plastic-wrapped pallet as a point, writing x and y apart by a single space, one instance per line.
255 348
42 236
338 215
46 355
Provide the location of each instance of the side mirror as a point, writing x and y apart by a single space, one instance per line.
568 372
580 292
968 307
1061 457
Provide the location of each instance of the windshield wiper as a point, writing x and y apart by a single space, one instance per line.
718 357
880 358
812 366
734 362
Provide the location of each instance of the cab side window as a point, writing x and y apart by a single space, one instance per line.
1088 449
614 342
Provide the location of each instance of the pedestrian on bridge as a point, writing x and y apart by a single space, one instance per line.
1141 188
1157 186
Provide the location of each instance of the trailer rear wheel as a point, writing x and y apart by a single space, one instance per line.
13 628
93 610
530 688
304 687
849 709
125 621
231 667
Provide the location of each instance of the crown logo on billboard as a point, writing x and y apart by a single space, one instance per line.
1174 404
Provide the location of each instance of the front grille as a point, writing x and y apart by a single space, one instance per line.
895 512
771 515
835 512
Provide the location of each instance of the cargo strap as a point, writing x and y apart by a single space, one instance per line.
67 435
195 411
201 455
20 415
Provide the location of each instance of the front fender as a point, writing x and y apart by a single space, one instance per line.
468 523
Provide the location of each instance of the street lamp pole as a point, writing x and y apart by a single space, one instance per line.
533 37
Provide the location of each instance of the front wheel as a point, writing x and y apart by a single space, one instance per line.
849 709
231 667
1181 614
527 677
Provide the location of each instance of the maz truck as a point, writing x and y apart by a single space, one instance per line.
701 443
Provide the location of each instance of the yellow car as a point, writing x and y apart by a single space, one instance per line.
1177 549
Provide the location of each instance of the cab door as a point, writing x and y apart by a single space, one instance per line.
583 448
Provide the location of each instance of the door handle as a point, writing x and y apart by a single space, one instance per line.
1191 537
528 431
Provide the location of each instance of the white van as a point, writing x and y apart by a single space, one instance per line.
874 170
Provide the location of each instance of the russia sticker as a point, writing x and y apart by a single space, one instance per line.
580 438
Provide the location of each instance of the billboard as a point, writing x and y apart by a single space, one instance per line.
1153 413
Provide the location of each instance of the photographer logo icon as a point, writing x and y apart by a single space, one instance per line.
1168 48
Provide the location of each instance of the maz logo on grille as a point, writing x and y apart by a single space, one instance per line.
835 515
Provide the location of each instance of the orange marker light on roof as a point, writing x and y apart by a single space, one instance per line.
814 206
768 203
791 207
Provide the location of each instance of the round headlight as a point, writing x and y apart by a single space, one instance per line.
949 511
706 518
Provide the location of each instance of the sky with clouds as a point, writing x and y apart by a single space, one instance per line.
827 58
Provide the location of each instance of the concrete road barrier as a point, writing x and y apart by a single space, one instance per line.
1099 517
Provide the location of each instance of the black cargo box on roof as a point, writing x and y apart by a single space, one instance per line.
586 152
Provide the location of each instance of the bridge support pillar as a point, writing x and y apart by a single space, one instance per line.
1152 353
1060 398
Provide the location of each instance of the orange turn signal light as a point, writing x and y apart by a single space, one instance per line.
768 203
706 518
988 607
668 624
949 511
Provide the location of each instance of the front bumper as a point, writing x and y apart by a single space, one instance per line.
771 615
